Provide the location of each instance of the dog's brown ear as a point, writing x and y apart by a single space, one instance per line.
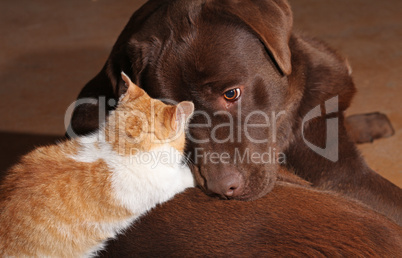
87 117
271 20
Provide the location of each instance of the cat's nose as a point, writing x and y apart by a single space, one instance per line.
231 185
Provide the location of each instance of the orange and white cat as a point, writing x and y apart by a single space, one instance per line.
68 199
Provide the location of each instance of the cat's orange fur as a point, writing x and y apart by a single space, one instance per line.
151 132
53 205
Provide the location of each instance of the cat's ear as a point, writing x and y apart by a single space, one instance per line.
184 111
133 91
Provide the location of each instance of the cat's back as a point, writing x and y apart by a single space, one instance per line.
31 166
44 196
39 167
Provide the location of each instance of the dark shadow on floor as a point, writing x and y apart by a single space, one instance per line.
14 145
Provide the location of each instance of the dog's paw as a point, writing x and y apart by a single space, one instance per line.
365 128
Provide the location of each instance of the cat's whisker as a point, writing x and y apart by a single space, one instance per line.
187 160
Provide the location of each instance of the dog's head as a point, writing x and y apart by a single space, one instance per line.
231 59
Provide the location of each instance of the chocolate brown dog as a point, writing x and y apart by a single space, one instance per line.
233 58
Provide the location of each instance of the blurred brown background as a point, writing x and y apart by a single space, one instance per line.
50 49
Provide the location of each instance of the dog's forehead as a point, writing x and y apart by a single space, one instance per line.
217 52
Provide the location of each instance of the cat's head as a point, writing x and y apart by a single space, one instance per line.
142 123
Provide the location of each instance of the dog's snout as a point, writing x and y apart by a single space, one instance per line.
229 186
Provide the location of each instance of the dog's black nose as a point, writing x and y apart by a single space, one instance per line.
230 186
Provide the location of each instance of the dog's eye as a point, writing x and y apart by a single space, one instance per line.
232 95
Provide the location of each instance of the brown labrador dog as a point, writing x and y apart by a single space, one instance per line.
233 58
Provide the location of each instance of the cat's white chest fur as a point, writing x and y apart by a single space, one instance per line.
147 178
140 181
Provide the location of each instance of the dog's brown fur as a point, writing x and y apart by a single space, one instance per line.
290 221
350 175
